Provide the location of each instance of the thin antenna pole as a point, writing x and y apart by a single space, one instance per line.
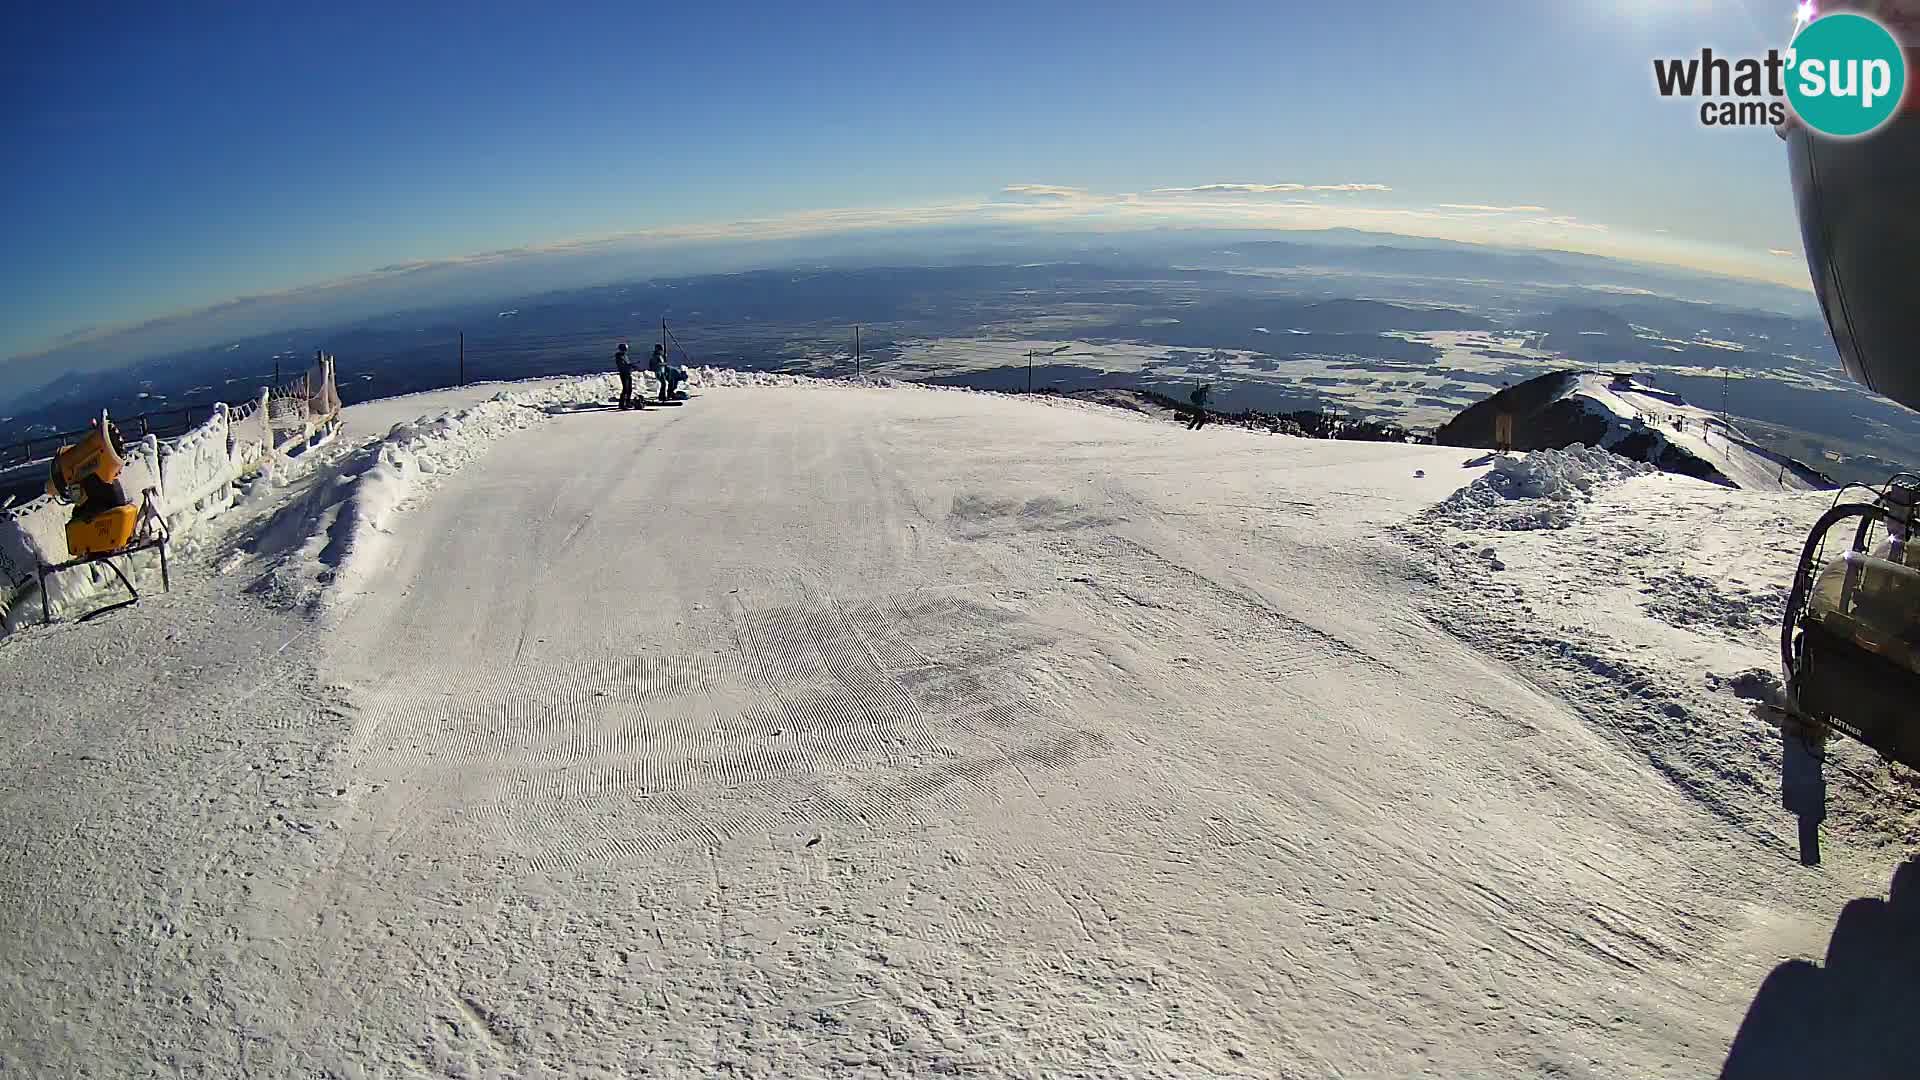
1029 371
463 358
856 350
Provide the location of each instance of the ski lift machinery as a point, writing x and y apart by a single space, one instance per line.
1850 634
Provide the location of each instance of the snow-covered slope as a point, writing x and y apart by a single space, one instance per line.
812 729
1673 427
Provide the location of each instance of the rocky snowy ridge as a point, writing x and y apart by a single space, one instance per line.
1634 420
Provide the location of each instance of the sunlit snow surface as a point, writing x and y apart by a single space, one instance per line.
814 729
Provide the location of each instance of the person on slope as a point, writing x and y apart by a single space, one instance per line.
668 375
623 363
1199 399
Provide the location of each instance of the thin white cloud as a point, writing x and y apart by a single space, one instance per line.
1044 191
1783 253
1565 221
1264 189
1483 208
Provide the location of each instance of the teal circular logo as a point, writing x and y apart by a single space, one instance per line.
1847 75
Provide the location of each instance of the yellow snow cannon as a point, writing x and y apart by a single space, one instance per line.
87 475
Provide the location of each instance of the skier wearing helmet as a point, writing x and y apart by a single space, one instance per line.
668 375
623 363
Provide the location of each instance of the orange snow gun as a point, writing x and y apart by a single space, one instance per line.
87 475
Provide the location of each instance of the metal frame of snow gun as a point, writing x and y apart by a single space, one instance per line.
151 533
1832 679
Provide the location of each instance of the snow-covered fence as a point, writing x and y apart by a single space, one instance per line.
35 534
307 409
250 433
192 477
197 473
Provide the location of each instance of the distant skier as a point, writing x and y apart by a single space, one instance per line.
1199 399
623 363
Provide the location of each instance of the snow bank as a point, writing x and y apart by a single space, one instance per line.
1543 489
713 376
325 544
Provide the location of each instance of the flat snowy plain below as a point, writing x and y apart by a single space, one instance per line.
817 729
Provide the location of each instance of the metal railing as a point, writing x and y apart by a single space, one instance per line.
161 423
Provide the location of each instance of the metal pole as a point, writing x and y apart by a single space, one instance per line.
1029 371
463 358
856 350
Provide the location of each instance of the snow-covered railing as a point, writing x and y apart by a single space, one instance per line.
193 479
34 534
250 433
306 410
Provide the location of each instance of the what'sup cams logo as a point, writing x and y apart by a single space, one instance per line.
1843 74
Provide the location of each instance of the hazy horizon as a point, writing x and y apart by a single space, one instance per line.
523 274
251 156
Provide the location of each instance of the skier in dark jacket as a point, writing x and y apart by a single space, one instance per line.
624 364
666 373
1199 399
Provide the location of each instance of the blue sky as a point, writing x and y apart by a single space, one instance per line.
173 156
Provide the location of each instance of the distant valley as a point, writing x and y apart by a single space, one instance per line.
1412 333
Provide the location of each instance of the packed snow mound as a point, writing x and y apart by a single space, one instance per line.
716 376
1543 489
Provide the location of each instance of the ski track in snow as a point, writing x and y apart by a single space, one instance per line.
828 730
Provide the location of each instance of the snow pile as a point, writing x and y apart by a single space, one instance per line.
276 472
713 376
445 443
1543 489
336 534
